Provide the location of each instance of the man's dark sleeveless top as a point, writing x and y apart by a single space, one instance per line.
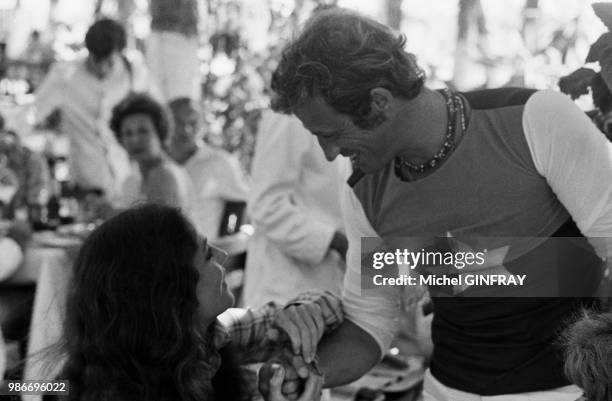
489 186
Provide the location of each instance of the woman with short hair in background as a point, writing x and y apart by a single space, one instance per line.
142 125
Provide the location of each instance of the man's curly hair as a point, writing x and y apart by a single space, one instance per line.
342 55
588 356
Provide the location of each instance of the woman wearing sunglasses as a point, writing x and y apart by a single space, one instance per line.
148 318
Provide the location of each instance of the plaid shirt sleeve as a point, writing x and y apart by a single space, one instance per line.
247 328
331 306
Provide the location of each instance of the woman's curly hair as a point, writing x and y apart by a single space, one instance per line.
131 329
142 103
341 56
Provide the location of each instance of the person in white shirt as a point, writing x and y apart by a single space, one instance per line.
294 204
216 175
142 125
85 91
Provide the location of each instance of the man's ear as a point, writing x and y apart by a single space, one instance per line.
382 101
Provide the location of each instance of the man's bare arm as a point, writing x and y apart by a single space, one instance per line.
346 354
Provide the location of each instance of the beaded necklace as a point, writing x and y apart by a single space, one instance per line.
454 106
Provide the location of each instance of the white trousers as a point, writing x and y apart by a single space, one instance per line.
173 60
433 390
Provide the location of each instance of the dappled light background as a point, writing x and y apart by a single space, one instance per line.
466 44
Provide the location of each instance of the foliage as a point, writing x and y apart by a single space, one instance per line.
234 89
580 81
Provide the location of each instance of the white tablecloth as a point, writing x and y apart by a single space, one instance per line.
50 269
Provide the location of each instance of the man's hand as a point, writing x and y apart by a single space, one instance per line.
312 387
414 335
294 374
303 324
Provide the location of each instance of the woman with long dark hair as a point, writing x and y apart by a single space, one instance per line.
143 316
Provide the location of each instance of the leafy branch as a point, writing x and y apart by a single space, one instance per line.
580 81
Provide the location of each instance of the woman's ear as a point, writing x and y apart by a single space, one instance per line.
382 101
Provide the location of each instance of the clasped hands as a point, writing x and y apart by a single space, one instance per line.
292 374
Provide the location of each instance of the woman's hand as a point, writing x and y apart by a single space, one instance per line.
312 387
304 325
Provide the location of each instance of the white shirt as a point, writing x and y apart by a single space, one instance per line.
567 149
295 208
86 104
216 176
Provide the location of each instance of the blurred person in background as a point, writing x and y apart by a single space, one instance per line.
588 355
142 126
38 56
294 204
34 52
85 91
149 317
216 175
31 170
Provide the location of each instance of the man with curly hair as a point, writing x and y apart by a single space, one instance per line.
514 166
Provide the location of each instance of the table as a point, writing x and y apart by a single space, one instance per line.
48 267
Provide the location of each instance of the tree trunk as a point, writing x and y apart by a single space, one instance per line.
98 8
470 16
394 13
471 28
531 14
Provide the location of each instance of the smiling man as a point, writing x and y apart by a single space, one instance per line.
428 163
